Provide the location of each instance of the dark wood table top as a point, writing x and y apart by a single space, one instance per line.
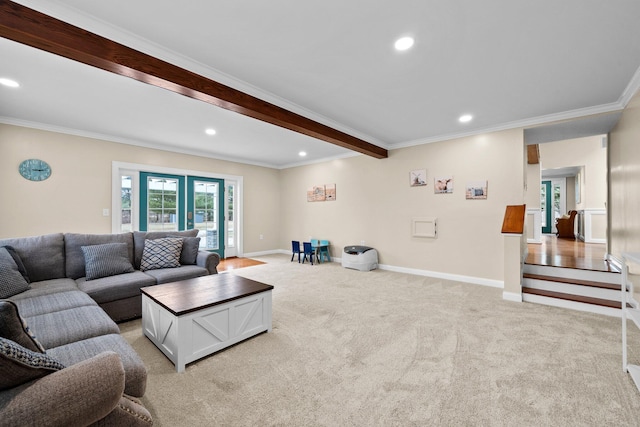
190 295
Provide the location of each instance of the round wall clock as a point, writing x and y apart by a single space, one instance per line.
35 169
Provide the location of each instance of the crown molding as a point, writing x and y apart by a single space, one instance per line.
535 121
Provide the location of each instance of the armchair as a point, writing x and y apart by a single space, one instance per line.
565 225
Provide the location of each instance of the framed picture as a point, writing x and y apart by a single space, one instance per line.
330 192
443 185
476 190
418 178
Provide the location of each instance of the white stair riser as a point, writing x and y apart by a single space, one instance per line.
569 273
572 289
579 306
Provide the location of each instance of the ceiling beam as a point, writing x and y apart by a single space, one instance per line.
32 28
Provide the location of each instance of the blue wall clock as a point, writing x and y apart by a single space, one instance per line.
35 169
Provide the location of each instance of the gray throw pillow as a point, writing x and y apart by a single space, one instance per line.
106 260
19 365
12 282
190 248
161 253
14 328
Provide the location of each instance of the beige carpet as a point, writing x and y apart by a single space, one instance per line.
382 348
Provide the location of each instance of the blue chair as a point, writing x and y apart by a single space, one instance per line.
295 249
323 253
308 251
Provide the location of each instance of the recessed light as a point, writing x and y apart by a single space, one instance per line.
404 43
9 82
210 131
465 118
302 153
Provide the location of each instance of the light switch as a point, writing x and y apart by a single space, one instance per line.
105 212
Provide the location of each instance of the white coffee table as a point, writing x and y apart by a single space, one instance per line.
191 319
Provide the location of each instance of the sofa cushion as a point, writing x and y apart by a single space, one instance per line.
12 282
14 327
161 253
106 260
135 371
19 365
43 256
117 287
167 275
67 326
75 261
44 304
139 238
47 287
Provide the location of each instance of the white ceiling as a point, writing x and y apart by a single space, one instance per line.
510 63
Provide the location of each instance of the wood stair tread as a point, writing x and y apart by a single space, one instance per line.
613 286
575 298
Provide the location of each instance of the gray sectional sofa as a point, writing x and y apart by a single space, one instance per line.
79 286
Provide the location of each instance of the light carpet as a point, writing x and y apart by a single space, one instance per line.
351 348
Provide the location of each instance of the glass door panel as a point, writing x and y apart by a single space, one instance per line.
205 212
161 202
545 206
231 249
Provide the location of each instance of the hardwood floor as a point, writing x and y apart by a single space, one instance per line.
569 253
234 263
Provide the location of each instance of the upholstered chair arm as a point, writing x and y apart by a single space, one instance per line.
78 395
208 260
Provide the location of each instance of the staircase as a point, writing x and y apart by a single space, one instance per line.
583 290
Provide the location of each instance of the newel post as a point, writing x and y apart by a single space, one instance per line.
513 232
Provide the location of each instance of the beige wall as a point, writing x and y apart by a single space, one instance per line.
73 198
624 179
587 152
375 203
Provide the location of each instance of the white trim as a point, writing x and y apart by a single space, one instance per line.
586 234
512 296
572 114
447 276
537 225
271 252
572 305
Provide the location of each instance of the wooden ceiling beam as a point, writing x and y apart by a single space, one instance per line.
33 28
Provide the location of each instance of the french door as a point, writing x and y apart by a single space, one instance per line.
176 202
552 203
205 211
545 206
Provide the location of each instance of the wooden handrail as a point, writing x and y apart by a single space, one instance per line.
513 222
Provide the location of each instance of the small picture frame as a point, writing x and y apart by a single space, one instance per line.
418 178
443 185
476 190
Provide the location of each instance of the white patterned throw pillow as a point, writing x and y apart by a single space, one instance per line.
161 253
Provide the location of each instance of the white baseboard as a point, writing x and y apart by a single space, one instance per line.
447 276
512 296
436 274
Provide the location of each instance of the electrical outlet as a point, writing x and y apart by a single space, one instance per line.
361 242
105 212
261 237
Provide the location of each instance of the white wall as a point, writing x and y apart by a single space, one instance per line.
587 152
376 204
73 198
624 176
